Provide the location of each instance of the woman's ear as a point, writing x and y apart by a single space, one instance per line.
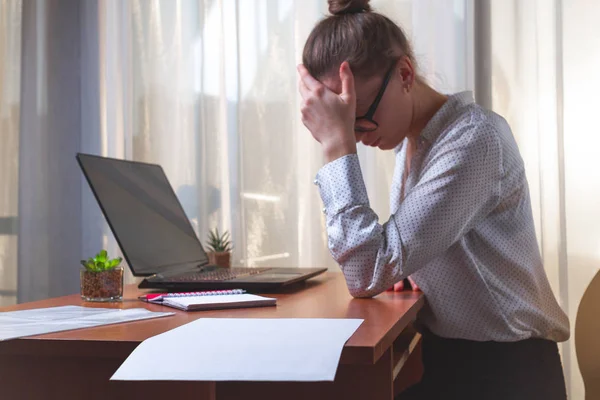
406 70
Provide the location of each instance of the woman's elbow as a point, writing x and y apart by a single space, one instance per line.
360 294
361 285
362 291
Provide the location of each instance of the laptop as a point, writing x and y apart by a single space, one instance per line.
156 237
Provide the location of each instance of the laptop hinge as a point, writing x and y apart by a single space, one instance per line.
175 270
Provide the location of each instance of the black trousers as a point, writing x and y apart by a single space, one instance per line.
463 369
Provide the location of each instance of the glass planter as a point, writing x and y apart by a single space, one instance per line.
102 286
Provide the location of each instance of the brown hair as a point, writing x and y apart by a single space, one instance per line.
369 41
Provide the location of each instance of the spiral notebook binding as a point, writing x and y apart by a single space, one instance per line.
206 293
156 297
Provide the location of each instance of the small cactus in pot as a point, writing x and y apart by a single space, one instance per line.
219 248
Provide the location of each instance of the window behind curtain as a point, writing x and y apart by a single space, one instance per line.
10 72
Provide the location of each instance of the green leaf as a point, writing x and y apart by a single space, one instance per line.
114 262
101 262
87 265
102 256
218 242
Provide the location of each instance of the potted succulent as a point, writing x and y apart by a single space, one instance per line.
219 247
102 278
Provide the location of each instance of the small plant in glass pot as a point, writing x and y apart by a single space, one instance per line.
219 247
102 278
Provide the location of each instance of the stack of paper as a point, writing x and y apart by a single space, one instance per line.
15 324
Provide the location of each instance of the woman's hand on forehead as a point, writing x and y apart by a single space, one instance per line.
327 115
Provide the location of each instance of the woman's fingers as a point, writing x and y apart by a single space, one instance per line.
304 92
328 116
415 287
399 287
310 82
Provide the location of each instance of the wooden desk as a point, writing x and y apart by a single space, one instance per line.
78 364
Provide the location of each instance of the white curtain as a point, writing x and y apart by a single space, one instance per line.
207 88
212 98
545 60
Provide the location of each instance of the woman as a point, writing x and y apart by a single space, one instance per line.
461 224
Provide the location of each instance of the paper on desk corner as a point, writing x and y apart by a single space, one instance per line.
38 321
238 349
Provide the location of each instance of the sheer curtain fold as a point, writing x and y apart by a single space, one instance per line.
580 174
49 189
212 97
543 63
10 72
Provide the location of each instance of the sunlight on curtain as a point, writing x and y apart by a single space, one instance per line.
581 60
10 77
215 101
208 89
212 98
544 64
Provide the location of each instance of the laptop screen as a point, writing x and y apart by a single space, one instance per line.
144 214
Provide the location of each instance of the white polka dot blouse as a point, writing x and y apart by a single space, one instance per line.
461 226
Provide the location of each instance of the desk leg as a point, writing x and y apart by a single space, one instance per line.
373 382
411 371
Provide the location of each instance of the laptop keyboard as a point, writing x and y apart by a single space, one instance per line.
220 274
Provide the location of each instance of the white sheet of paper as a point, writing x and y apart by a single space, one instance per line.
237 349
16 324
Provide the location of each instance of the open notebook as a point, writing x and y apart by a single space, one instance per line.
214 300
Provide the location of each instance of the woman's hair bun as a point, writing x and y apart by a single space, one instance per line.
338 7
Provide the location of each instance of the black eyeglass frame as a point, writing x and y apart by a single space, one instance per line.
371 111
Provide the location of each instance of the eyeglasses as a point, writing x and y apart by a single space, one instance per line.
366 123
